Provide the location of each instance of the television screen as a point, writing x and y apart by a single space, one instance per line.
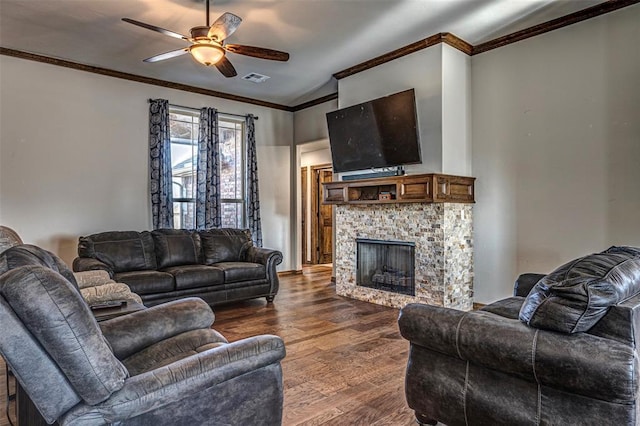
375 134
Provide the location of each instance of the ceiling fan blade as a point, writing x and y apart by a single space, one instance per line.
258 52
156 29
225 67
224 26
167 55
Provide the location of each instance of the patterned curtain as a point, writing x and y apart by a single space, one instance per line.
160 164
208 210
253 196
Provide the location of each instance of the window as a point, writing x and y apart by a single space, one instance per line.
232 175
184 127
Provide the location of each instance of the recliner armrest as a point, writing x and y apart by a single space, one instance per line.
525 282
90 264
131 333
186 378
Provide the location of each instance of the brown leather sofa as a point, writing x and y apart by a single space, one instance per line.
562 351
217 265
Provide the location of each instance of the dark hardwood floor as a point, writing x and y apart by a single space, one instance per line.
345 359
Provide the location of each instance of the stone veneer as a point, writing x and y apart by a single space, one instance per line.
443 234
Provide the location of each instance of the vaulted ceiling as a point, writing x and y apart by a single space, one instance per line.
322 36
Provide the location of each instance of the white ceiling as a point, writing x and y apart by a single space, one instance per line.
322 36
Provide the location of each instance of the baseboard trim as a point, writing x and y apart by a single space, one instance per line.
477 306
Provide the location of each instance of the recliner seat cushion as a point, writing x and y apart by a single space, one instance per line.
225 245
176 247
574 297
62 323
122 251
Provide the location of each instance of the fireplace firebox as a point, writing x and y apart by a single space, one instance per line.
386 265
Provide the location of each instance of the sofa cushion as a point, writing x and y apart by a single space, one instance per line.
26 254
147 282
54 312
123 251
176 247
225 245
194 276
574 297
242 271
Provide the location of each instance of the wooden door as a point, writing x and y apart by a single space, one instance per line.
322 231
304 197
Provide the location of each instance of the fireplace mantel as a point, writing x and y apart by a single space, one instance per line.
423 188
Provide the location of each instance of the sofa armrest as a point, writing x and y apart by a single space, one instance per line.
270 259
189 377
90 264
264 256
525 282
131 333
600 367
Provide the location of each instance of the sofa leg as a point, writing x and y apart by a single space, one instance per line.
422 419
270 298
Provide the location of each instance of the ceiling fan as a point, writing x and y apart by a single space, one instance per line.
208 44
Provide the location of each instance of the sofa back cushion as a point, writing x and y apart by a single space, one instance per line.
123 251
225 245
57 316
27 254
175 247
574 297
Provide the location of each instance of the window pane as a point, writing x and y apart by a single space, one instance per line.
184 215
232 215
231 166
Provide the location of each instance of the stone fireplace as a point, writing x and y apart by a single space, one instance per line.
441 234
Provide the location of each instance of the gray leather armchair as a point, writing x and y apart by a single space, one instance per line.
162 365
562 351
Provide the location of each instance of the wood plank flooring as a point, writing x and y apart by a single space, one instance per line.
345 359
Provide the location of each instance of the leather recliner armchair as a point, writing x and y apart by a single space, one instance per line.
562 351
162 365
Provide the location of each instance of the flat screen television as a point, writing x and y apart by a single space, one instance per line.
375 134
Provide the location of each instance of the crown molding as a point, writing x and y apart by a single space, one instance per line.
554 24
315 102
469 49
433 40
137 78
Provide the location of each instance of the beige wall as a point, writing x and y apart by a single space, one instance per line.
556 148
74 155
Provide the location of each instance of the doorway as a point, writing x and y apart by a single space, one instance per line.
317 219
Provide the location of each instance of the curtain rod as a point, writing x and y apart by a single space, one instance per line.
219 112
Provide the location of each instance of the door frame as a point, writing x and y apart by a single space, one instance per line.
316 200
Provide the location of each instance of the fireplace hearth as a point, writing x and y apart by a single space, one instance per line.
386 265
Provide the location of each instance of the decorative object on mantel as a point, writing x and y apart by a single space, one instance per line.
424 188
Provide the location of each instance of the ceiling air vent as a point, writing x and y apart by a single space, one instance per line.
255 77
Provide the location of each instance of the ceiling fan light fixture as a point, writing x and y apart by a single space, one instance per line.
207 54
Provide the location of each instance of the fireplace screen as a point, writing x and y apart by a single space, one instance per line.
386 265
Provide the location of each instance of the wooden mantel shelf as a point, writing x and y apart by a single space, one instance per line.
424 188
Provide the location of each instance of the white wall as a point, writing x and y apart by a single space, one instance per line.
74 155
556 149
456 112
